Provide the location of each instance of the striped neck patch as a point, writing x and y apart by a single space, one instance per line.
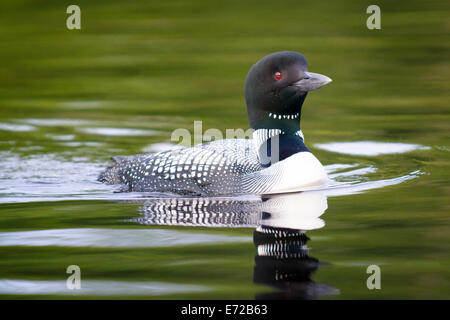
260 136
284 116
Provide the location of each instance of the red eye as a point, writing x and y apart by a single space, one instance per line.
278 75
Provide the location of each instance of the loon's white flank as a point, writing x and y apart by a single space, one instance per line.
300 172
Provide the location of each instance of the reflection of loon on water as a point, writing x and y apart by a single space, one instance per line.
276 160
282 260
299 211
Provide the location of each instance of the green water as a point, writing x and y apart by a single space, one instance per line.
158 66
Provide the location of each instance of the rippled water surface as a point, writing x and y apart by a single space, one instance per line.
69 100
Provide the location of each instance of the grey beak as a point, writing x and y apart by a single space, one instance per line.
312 81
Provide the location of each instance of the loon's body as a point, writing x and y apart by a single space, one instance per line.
276 160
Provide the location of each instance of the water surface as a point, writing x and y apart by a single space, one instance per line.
69 100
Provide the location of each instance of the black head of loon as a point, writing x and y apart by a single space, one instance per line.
275 89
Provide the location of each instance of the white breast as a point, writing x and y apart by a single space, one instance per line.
300 172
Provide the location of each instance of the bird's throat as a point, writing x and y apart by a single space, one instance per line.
274 145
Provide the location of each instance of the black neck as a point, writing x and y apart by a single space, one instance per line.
280 147
272 115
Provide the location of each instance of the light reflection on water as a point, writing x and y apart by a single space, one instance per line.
93 288
119 132
369 148
111 238
14 127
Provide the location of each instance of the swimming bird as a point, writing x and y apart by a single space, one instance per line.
276 160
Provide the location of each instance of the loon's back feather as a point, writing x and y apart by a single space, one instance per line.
212 168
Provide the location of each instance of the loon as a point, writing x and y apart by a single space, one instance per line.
275 161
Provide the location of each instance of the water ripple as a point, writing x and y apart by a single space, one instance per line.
112 238
93 287
369 148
